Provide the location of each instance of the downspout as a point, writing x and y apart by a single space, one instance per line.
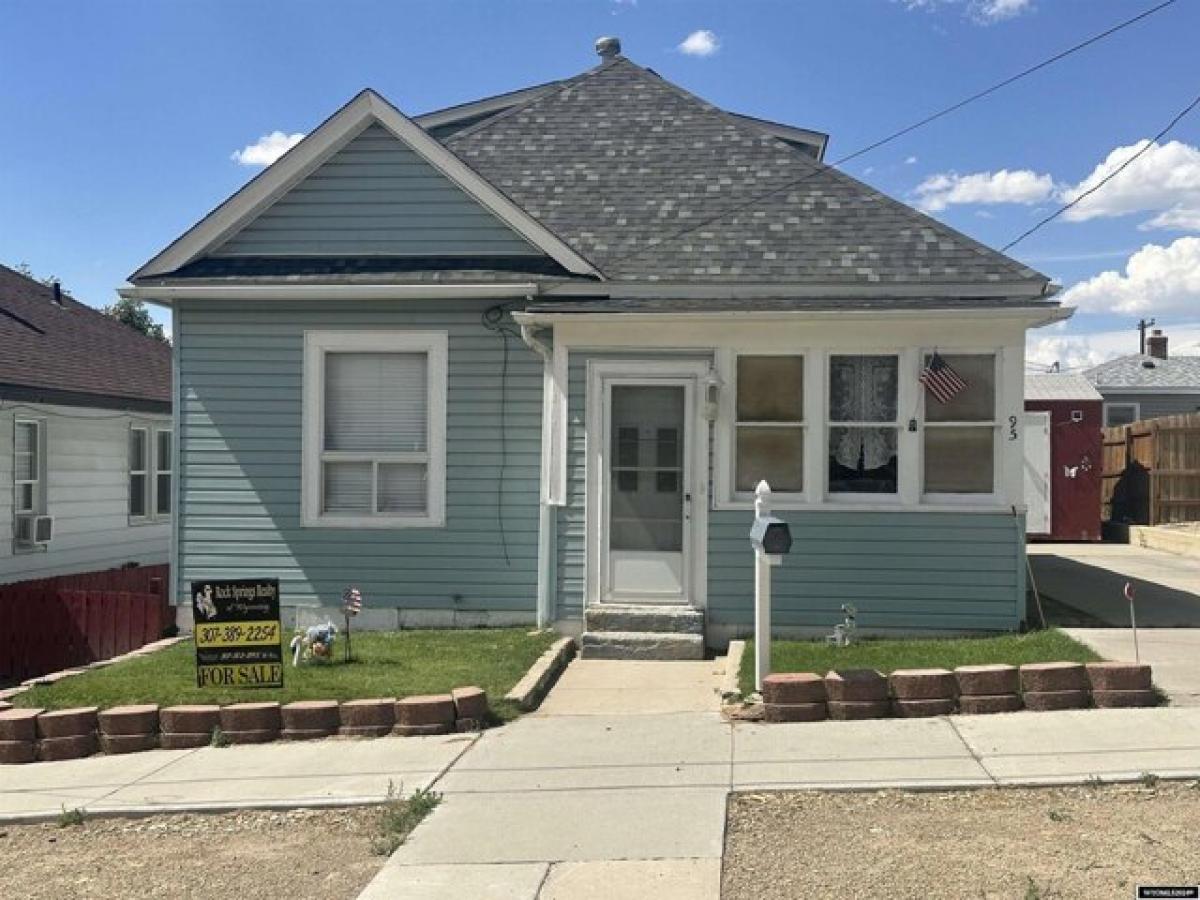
546 513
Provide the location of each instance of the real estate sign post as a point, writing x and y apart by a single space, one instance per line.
238 633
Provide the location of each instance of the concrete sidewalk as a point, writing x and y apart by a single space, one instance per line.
587 803
1174 654
1091 578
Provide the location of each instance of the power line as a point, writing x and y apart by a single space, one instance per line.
954 107
1107 178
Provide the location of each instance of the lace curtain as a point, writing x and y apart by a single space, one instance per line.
862 389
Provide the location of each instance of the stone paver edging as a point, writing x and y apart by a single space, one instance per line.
55 677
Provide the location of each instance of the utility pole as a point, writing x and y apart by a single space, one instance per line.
1142 326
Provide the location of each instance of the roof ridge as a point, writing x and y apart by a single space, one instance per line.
554 89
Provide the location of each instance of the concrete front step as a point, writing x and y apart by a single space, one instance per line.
640 645
659 619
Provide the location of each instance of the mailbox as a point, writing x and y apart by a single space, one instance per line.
771 535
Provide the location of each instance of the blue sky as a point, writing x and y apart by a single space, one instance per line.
121 118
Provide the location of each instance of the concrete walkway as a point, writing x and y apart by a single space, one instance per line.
1091 578
1174 654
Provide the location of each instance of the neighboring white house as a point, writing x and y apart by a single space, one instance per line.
86 444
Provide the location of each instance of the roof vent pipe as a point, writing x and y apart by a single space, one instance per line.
608 47
57 294
1156 344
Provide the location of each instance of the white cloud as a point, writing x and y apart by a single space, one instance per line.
266 149
910 160
700 43
1077 351
1156 280
1164 179
937 192
991 11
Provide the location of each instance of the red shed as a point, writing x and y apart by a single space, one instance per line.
1063 422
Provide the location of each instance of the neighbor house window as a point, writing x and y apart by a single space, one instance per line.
162 472
1121 413
139 473
769 427
863 405
960 433
374 428
29 459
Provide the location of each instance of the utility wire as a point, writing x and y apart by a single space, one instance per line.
933 117
1106 179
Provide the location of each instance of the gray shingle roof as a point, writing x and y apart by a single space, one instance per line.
618 161
1139 371
1058 386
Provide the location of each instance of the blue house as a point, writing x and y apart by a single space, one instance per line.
524 361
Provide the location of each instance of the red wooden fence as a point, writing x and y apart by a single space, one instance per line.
57 623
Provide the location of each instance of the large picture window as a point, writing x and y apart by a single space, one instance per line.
374 428
960 434
863 404
769 427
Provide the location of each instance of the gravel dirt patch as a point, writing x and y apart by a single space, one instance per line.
322 854
1035 844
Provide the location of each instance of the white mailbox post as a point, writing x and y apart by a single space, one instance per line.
771 539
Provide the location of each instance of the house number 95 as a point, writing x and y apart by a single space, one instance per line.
1012 428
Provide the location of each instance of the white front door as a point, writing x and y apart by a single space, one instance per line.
645 493
1037 473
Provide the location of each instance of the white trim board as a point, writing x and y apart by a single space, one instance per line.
329 137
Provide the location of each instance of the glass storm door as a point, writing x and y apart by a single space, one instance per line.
646 478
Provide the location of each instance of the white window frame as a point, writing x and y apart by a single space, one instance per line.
947 498
904 489
319 343
147 473
1109 404
169 472
39 465
725 439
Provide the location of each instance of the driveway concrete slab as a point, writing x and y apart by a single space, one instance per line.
1173 653
627 687
554 753
548 826
662 879
1092 577
891 752
520 881
1074 744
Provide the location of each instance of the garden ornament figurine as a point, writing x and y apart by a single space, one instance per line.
843 633
316 642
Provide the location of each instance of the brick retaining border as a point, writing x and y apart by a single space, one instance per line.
849 694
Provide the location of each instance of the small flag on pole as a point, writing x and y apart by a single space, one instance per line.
352 601
941 380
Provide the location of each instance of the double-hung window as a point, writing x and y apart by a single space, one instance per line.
139 472
29 458
960 434
863 428
150 467
374 429
162 472
769 427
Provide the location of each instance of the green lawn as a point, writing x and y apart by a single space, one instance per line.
887 655
386 664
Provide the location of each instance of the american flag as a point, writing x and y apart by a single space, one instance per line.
352 601
941 380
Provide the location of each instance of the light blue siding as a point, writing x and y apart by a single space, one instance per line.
240 422
376 196
904 571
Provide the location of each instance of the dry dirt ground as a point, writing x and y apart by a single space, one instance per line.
1033 844
322 854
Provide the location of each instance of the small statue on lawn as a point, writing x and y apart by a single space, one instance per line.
314 643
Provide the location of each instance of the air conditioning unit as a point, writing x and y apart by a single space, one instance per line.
33 530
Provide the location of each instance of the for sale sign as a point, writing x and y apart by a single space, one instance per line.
237 632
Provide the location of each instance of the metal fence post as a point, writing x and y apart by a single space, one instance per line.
762 593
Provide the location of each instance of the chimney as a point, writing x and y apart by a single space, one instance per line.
1156 344
608 47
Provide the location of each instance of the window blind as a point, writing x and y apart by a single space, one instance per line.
376 402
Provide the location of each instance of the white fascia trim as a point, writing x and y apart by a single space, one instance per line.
167 294
767 289
1033 318
1143 391
334 133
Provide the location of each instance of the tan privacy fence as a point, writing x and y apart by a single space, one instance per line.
1151 471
